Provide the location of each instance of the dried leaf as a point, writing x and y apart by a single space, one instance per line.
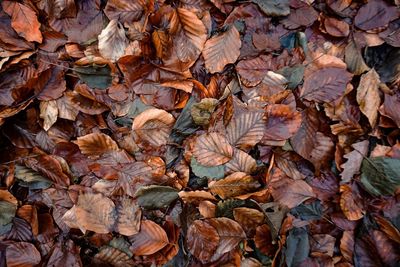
24 21
112 41
96 144
95 212
212 149
274 8
325 85
354 160
22 254
246 130
153 126
236 184
124 11
49 113
350 203
368 96
354 60
156 196
149 240
230 234
222 50
216 172
241 162
202 240
374 14
129 217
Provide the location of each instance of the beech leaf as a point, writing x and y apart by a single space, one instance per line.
212 149
112 41
149 240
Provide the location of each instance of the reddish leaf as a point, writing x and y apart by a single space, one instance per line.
22 254
350 203
24 21
325 85
236 184
202 240
222 50
96 144
149 240
375 14
124 11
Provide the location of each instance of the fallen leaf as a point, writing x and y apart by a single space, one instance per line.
149 240
235 184
124 11
354 160
274 8
129 217
156 196
212 149
153 126
350 203
22 254
368 96
49 113
202 240
374 14
113 41
96 144
221 50
24 21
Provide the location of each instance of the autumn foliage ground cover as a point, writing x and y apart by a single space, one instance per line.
199 133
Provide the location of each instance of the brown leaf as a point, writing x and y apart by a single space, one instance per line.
65 254
354 160
212 149
195 196
95 212
96 144
282 122
221 50
149 240
153 126
375 14
22 254
303 16
246 130
263 240
347 245
236 184
241 162
230 234
248 218
325 85
29 214
252 71
124 10
207 209
388 228
113 41
189 35
322 244
390 107
351 203
289 192
336 28
129 217
49 113
114 257
202 240
368 96
24 21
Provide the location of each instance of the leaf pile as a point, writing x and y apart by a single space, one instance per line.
199 133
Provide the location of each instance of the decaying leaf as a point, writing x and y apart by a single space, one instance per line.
202 240
236 184
112 41
96 144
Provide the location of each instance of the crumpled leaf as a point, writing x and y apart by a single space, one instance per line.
380 176
113 41
221 50
236 184
129 217
201 112
312 211
31 179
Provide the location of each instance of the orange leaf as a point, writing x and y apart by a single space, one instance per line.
24 21
96 144
202 240
236 184
230 235
149 240
212 149
221 50
129 217
350 203
248 218
153 126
